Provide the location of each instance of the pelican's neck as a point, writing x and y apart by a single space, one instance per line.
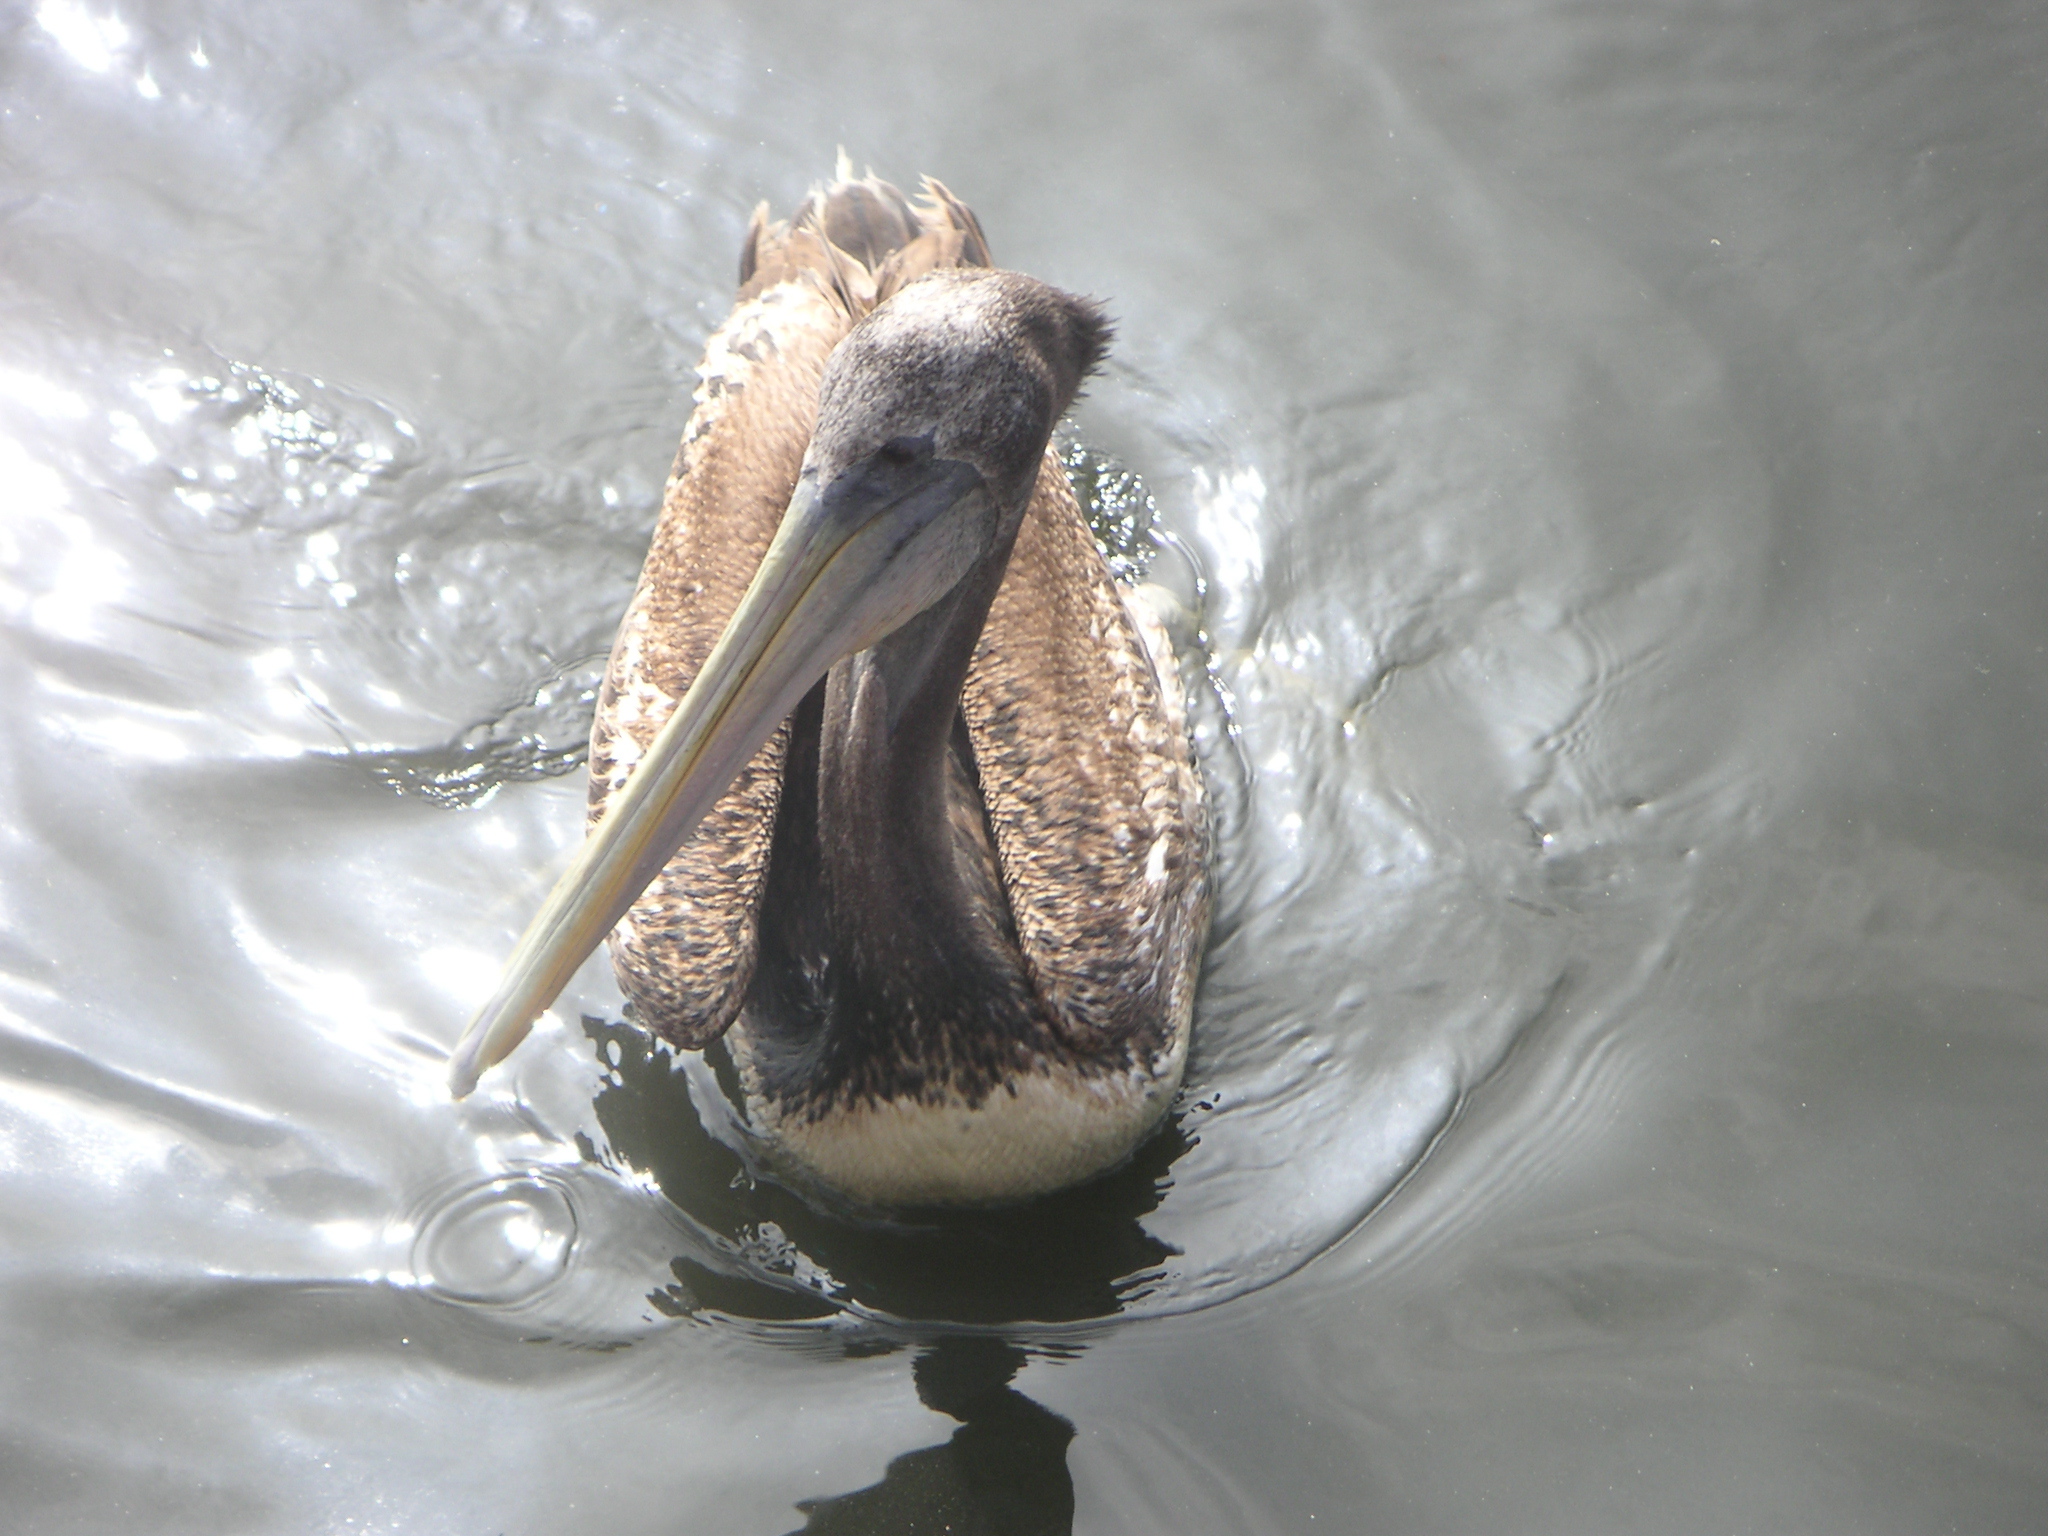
922 933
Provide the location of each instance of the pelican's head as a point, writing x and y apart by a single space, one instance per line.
933 415
967 365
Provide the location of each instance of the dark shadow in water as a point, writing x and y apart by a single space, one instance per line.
1076 1255
1004 1472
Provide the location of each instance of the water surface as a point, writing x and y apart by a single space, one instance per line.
1601 449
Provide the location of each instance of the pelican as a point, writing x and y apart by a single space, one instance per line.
891 785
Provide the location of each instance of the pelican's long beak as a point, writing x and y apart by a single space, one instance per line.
847 565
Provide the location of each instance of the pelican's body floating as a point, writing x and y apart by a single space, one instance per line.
946 892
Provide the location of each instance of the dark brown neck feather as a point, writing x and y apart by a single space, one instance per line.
890 964
931 975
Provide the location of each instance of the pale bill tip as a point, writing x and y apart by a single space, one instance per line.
482 1047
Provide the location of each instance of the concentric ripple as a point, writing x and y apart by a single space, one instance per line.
498 1244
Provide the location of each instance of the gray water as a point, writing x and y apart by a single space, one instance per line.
1603 444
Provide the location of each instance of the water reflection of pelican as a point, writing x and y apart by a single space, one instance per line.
947 888
1004 1472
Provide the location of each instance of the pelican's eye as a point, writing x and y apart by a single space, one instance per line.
902 452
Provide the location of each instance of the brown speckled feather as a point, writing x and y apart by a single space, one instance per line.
1079 736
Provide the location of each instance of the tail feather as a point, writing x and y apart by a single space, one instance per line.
869 220
942 204
860 241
